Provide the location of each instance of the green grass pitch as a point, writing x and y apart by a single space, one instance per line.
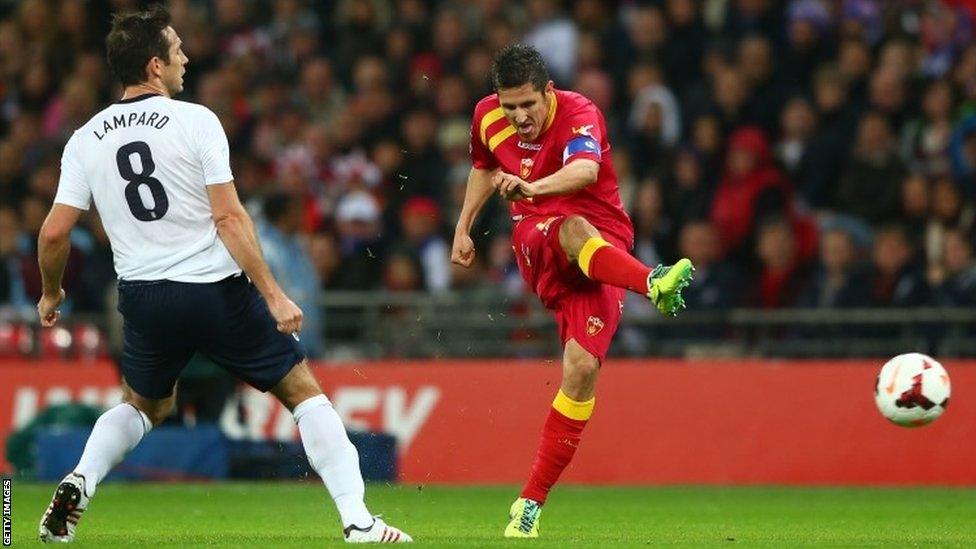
299 515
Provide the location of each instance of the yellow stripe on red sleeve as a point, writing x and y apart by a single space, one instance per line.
488 119
502 135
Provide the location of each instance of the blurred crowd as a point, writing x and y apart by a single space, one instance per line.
804 153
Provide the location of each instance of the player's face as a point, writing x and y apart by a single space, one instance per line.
172 74
526 108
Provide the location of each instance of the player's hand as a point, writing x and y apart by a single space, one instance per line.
47 308
462 252
511 187
288 316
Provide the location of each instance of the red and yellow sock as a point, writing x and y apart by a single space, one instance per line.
561 434
601 261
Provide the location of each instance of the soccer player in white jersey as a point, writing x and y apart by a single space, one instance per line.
158 171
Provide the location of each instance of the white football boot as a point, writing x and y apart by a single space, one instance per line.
378 532
61 518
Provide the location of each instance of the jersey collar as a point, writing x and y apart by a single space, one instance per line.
139 97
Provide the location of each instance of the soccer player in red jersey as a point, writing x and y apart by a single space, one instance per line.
546 151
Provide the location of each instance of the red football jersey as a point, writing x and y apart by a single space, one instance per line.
574 129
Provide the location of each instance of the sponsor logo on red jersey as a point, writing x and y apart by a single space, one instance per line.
544 225
583 130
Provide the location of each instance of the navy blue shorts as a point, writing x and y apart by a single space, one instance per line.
166 322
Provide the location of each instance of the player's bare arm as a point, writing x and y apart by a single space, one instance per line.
53 247
236 230
478 191
569 179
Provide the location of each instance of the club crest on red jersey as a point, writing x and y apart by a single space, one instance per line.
593 326
526 170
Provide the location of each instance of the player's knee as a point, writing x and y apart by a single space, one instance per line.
297 386
584 368
156 411
574 233
581 367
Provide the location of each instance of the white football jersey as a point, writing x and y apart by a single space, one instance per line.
146 162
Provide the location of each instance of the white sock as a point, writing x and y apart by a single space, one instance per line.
334 458
116 432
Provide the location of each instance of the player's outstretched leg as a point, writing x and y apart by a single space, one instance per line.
603 262
333 457
116 432
561 435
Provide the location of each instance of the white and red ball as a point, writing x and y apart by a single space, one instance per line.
912 390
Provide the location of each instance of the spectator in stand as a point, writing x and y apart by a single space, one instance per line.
690 189
323 251
963 76
502 267
683 49
925 139
915 205
284 250
655 125
782 272
402 274
897 278
317 93
888 91
767 93
955 278
752 188
717 283
13 296
830 142
962 153
96 281
13 183
424 168
854 60
950 212
730 96
359 232
870 185
808 36
653 230
556 38
708 142
33 210
420 222
838 281
798 123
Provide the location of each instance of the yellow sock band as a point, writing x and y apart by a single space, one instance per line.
586 254
573 409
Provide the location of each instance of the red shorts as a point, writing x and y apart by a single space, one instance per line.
585 310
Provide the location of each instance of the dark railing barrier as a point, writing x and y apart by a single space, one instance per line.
488 324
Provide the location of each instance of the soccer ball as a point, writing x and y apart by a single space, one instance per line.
912 390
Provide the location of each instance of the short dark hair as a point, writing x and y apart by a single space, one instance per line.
135 38
519 64
277 206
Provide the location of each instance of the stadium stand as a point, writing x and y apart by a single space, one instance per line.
816 159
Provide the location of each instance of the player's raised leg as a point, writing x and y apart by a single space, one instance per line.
561 435
603 262
115 434
333 457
